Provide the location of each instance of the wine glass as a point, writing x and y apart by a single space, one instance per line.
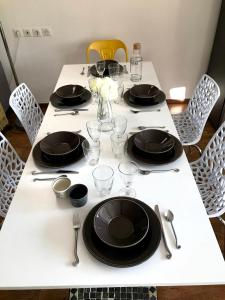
94 130
100 67
119 125
128 170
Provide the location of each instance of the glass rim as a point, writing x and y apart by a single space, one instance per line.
94 176
128 162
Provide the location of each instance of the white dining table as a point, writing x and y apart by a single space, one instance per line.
37 237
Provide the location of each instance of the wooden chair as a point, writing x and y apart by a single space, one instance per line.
106 49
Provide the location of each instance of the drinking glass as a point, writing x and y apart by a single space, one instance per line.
114 71
119 125
94 130
100 67
118 144
103 179
91 151
93 90
128 170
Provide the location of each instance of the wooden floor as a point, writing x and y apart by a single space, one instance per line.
21 143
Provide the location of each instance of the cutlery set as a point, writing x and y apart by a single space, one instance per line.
169 217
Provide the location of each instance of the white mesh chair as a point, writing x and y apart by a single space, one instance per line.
27 110
11 168
209 173
190 123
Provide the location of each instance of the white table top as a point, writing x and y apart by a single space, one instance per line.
37 238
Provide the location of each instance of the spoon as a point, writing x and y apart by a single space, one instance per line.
169 217
46 179
146 110
146 172
73 113
146 127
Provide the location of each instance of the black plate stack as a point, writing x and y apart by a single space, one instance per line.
154 146
58 149
117 236
70 95
142 95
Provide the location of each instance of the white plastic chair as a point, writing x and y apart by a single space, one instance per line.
27 110
11 168
209 173
190 123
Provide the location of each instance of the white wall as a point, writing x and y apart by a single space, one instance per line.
176 35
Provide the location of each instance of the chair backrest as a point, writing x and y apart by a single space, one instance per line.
202 101
209 173
27 110
11 168
106 49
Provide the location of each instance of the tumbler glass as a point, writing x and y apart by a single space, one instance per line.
103 179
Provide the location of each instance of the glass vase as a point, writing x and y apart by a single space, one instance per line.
104 114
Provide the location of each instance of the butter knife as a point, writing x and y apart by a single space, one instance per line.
89 71
71 109
169 254
54 172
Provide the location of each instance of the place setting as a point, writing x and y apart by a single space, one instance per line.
58 149
102 68
144 95
68 97
154 146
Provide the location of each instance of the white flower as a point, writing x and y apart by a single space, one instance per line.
109 89
95 84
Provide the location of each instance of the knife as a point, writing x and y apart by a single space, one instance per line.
89 71
71 109
169 254
54 172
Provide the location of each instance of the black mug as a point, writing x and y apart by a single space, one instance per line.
78 195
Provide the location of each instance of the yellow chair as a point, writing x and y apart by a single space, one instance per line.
106 49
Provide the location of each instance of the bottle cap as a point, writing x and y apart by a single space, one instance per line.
137 46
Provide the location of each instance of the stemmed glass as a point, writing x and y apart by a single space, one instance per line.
100 67
128 170
94 130
119 125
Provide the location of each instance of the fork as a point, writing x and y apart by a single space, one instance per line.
73 113
82 72
146 110
146 127
76 227
146 172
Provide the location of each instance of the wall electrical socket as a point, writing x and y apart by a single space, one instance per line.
17 32
46 31
36 32
27 32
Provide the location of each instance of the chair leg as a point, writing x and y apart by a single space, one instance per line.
198 148
221 220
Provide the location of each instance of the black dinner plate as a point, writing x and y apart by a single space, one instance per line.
163 158
94 72
126 257
58 102
132 101
43 161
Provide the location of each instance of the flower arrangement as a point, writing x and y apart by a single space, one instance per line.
105 87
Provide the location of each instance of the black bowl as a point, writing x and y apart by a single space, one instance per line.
70 91
58 144
153 141
144 91
121 223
